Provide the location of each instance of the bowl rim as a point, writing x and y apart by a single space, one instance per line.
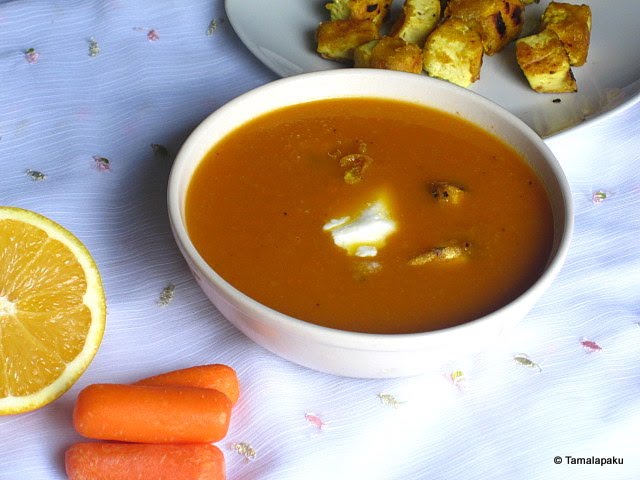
328 335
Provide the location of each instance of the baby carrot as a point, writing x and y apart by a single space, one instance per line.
146 414
129 461
217 376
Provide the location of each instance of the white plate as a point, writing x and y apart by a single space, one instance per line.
281 34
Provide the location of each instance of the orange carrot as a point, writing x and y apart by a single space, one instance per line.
146 414
217 376
129 461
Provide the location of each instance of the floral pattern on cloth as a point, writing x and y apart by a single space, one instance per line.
31 56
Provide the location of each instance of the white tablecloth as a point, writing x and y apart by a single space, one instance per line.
108 79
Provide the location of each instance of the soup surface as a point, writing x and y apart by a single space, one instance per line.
370 215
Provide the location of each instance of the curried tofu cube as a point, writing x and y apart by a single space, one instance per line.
572 24
545 63
453 52
416 21
447 193
454 250
375 11
337 39
362 54
390 53
499 21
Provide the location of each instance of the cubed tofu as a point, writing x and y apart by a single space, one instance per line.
545 63
390 53
337 39
453 250
416 21
362 54
354 165
499 21
447 193
572 24
375 11
453 52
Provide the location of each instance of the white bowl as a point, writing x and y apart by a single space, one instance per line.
360 354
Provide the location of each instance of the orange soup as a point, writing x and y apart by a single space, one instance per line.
370 215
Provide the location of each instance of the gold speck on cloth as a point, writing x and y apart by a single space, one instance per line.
213 26
457 377
525 361
245 450
389 400
94 48
159 150
35 175
166 295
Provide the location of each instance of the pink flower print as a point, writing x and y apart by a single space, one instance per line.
31 56
315 420
102 164
590 345
599 196
458 379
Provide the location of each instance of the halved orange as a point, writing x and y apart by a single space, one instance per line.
52 310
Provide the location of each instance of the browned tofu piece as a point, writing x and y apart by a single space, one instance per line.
354 165
454 250
572 24
337 39
499 21
545 63
416 21
375 11
390 53
447 193
453 52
